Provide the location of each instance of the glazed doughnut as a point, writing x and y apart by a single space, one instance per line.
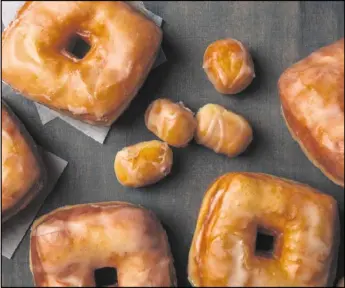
143 164
37 61
68 244
222 130
23 172
312 98
229 66
237 207
172 122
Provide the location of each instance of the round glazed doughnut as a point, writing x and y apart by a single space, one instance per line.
96 88
68 244
238 208
23 171
172 122
228 66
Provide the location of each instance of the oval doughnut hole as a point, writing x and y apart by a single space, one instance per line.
77 47
105 276
265 243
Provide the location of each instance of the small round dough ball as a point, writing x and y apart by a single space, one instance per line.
143 164
229 66
172 122
222 130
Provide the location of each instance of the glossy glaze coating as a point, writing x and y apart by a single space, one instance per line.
68 244
143 164
304 222
96 89
172 122
229 66
222 130
312 97
22 171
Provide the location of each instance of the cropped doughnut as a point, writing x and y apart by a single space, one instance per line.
239 207
222 131
143 164
312 99
171 122
39 62
23 173
229 66
70 243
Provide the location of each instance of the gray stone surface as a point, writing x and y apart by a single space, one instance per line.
278 34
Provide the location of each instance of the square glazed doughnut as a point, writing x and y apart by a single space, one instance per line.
237 207
23 173
70 243
37 61
312 97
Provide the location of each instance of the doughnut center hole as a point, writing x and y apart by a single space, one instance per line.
77 47
265 243
105 276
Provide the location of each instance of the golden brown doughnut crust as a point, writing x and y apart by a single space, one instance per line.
312 97
68 244
304 222
99 87
23 173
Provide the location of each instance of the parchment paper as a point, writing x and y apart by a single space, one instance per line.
14 230
46 115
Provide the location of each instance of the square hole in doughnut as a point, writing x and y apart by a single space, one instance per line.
105 276
77 47
265 243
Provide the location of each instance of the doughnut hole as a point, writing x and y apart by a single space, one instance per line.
77 47
229 66
171 122
143 164
265 243
223 131
106 276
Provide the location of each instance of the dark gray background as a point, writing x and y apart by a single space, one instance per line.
278 34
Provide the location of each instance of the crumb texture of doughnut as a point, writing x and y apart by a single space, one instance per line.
23 173
236 207
228 66
172 122
312 98
143 164
223 131
38 59
70 243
